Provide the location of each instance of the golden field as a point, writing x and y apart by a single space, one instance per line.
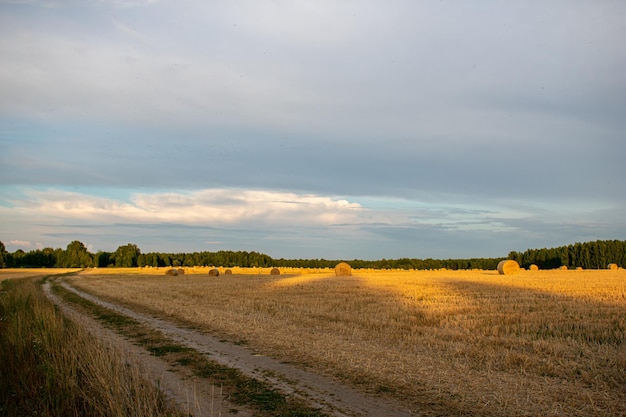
444 342
9 273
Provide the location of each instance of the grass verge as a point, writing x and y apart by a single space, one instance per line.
241 389
51 367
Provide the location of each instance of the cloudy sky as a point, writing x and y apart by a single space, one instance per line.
313 129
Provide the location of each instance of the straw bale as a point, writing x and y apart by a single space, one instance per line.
612 267
275 271
214 272
533 267
181 271
172 272
228 272
343 269
508 267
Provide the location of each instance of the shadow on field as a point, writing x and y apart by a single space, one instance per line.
538 314
478 326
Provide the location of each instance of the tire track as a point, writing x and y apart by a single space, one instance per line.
330 396
188 396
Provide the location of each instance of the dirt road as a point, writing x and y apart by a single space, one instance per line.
330 396
183 391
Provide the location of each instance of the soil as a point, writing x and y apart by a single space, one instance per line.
198 399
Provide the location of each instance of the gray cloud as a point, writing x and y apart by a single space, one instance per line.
493 106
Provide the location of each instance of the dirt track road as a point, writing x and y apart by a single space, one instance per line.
183 392
332 397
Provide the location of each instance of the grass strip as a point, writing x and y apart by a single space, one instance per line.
241 389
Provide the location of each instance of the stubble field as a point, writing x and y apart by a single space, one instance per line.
443 342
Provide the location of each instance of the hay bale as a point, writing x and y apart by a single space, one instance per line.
214 272
172 272
181 271
612 267
275 271
508 267
533 267
563 268
228 272
343 269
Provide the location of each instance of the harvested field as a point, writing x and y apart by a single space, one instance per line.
443 342
9 273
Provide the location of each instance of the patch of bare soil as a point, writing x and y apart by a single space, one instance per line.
329 395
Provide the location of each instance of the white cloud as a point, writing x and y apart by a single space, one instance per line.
212 207
294 225
125 4
20 243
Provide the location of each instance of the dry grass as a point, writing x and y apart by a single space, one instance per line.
54 367
447 342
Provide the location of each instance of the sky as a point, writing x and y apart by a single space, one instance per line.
345 129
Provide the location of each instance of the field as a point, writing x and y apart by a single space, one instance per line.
10 273
445 342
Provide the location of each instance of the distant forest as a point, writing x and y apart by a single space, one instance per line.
589 255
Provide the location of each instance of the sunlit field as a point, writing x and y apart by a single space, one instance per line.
446 342
9 273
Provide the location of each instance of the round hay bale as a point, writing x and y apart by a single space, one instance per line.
228 272
563 268
579 268
214 272
172 272
275 271
508 267
612 267
343 269
533 267
181 271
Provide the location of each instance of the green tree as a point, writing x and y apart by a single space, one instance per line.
3 255
189 260
77 256
516 256
126 256
17 259
102 259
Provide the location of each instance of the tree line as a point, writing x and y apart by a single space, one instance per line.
589 255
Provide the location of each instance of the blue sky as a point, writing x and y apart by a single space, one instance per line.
309 129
